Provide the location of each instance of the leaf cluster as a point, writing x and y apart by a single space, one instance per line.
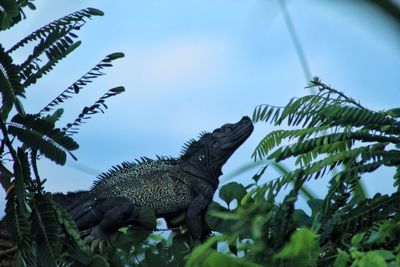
38 230
331 136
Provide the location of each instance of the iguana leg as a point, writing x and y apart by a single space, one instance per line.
175 221
195 213
107 215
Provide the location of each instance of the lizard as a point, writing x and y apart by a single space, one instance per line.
169 186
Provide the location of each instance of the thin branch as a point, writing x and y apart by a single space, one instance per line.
296 42
13 153
167 229
8 251
322 86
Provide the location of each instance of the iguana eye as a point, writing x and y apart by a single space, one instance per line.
228 129
201 157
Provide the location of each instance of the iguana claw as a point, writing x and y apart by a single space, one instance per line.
96 240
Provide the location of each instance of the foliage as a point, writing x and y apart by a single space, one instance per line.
34 221
328 135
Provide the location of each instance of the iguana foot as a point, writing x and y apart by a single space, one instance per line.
97 240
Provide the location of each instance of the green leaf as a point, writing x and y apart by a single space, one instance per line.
222 260
356 239
70 21
55 116
386 254
70 228
303 248
9 11
115 56
10 83
203 255
118 89
40 134
372 259
19 107
45 229
301 218
19 226
55 55
216 223
99 261
95 11
132 237
232 191
394 112
315 206
342 259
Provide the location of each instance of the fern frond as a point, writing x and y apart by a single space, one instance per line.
68 224
75 88
394 112
380 207
55 55
22 177
75 20
324 109
348 176
264 113
40 134
282 227
18 225
45 229
353 116
12 12
321 167
396 178
9 11
87 112
56 38
10 83
363 216
297 110
275 138
328 144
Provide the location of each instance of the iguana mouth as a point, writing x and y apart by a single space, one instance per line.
237 134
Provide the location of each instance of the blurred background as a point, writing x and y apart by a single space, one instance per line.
191 66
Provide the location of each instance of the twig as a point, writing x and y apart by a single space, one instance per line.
167 229
296 41
322 86
8 251
14 155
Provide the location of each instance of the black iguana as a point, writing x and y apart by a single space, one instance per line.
169 186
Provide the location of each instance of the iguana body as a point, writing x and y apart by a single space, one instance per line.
168 186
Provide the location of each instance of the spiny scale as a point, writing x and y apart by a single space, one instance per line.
202 133
127 171
186 146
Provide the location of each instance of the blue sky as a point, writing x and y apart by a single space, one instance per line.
195 65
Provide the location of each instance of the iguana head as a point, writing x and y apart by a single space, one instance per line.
206 156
